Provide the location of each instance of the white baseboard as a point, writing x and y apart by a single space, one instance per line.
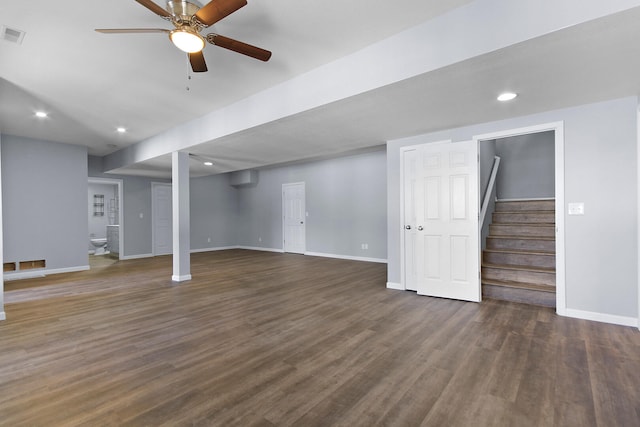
257 248
3 316
396 286
139 256
218 248
601 317
183 278
32 274
349 257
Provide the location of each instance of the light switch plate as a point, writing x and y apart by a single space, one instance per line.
576 208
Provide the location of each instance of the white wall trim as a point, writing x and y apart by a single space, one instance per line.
183 278
256 248
137 256
31 274
348 257
601 317
395 286
3 316
638 190
558 129
219 248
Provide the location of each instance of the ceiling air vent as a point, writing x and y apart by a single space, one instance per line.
11 34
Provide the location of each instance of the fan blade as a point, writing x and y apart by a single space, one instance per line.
215 10
198 65
238 46
153 7
131 30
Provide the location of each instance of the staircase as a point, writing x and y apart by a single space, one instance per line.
519 263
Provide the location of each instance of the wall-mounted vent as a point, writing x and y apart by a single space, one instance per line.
11 35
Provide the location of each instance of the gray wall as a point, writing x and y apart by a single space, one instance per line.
345 199
214 209
44 190
600 170
527 166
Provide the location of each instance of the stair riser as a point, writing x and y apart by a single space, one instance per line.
522 230
507 275
546 299
534 205
521 244
531 260
524 217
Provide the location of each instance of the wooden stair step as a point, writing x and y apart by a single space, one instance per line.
520 285
519 294
533 230
524 217
524 205
515 273
521 242
519 258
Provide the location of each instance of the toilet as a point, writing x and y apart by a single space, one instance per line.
100 245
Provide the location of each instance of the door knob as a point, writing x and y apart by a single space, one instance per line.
420 228
408 227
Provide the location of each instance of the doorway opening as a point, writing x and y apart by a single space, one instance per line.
521 220
105 219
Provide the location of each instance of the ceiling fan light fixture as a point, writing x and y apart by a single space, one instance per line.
187 39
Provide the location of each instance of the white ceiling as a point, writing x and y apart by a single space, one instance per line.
91 83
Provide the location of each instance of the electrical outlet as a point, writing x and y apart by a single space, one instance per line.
259 239
209 240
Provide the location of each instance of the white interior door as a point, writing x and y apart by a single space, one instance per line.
410 160
445 198
162 219
293 223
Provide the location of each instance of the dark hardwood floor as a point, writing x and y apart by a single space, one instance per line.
266 339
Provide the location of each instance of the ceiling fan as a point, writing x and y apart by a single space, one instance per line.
189 19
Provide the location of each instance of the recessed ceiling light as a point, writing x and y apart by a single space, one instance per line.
208 163
121 130
41 114
507 96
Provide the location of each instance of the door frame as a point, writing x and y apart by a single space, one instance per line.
118 183
558 129
304 187
403 272
153 214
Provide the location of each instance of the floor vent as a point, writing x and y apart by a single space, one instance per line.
11 34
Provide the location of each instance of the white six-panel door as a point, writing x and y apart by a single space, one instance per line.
442 246
293 213
162 219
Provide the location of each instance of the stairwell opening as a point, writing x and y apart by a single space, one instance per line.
518 261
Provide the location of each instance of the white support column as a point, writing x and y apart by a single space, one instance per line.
181 220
